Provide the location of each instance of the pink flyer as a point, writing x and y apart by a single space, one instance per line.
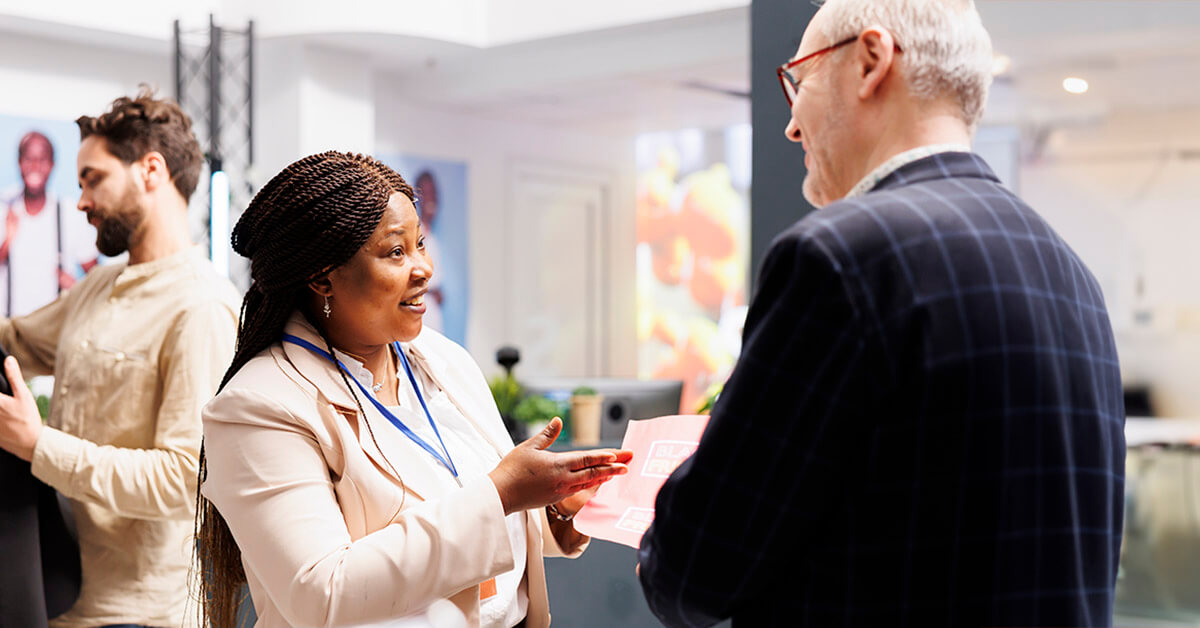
623 508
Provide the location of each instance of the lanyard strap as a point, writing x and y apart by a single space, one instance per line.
445 460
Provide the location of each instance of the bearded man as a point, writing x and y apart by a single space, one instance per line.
136 349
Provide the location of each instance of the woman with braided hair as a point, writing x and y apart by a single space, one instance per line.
355 469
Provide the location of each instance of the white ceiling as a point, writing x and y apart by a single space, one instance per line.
650 76
1136 56
1140 55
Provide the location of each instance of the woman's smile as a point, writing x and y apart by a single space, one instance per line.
416 305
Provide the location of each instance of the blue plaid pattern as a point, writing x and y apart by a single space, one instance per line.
925 427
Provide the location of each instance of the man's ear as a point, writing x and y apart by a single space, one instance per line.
874 54
153 170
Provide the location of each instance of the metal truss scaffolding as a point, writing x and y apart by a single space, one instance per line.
214 83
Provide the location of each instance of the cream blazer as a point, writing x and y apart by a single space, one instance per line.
329 534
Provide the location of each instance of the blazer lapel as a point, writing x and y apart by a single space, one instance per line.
419 473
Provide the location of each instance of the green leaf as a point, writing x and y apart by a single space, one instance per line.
710 398
507 393
536 409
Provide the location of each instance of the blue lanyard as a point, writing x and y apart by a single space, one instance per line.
445 460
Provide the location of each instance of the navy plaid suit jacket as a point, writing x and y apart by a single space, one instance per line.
925 426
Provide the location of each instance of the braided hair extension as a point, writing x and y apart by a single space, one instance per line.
309 219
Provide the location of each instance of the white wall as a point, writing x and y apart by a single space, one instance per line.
44 78
309 99
277 112
492 150
312 99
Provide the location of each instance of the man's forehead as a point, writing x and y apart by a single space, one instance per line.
94 149
807 46
812 39
93 155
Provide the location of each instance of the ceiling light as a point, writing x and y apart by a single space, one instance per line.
1075 85
1001 64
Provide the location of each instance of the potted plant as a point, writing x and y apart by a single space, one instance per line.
507 393
535 411
585 416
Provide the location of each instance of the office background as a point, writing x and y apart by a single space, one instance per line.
544 105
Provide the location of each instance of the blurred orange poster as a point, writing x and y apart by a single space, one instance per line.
623 508
693 251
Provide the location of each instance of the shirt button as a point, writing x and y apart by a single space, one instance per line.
84 344
120 355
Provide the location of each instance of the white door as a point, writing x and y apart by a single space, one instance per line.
559 306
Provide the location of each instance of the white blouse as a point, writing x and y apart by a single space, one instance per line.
473 457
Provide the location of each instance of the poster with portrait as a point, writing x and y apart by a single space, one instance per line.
693 251
46 244
441 190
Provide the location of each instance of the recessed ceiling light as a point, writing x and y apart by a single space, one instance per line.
1075 85
1001 64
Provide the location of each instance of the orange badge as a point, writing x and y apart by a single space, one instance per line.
487 588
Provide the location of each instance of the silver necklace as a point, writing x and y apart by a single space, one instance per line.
378 387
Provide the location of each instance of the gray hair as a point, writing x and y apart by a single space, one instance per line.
946 49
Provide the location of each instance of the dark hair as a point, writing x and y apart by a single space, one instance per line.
309 219
31 137
135 126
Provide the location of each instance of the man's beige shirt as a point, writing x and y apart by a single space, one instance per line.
135 351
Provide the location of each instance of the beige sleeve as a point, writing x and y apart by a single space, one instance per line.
270 481
158 482
33 338
560 538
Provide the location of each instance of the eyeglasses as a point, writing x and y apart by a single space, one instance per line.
789 82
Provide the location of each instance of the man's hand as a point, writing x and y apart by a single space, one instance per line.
531 477
20 421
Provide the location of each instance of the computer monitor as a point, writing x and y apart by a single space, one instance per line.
624 399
